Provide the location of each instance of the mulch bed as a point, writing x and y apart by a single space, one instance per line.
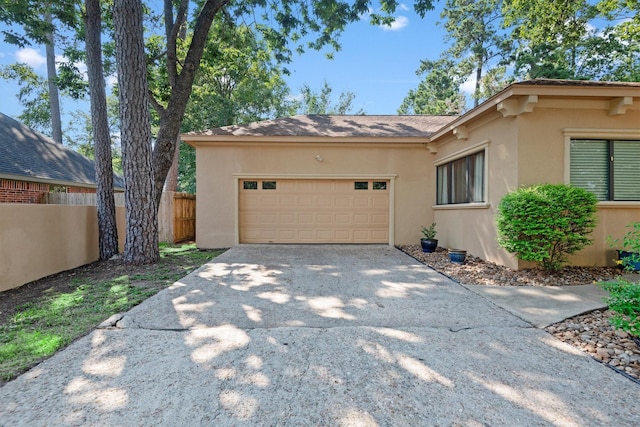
590 332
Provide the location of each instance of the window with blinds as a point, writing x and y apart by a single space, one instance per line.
461 181
610 169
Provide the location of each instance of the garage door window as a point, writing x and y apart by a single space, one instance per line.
268 185
379 185
361 185
250 185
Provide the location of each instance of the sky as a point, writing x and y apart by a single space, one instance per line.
377 64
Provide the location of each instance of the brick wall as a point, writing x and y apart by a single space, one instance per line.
31 192
22 192
80 190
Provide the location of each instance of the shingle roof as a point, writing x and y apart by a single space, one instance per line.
315 125
562 82
24 152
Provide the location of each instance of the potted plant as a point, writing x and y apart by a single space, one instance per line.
429 242
629 255
457 256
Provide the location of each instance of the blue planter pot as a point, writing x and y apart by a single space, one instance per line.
429 245
625 257
457 256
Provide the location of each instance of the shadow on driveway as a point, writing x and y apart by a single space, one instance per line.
319 335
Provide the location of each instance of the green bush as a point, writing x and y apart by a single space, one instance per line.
631 244
546 223
624 301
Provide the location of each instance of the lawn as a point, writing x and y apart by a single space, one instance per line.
41 317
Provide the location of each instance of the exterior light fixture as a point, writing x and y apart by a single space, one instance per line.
319 158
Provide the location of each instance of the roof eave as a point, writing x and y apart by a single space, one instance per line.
538 90
200 140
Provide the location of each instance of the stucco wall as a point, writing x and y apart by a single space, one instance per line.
472 227
218 168
529 149
40 240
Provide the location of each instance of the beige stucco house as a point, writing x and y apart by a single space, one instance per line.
378 179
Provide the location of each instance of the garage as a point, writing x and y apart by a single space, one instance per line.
275 210
315 179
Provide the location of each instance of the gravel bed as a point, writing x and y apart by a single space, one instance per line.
590 332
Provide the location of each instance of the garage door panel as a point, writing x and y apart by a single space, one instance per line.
343 219
314 211
380 219
380 202
325 218
343 201
287 218
324 202
361 202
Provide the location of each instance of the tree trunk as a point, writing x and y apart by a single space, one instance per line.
141 242
107 229
476 95
171 183
54 98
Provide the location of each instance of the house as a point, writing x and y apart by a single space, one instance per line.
377 179
32 165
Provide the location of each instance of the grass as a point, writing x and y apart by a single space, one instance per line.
50 322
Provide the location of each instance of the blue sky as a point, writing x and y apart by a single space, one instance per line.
376 64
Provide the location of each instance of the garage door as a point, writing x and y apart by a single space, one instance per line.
313 211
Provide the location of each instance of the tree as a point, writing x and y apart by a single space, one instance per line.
321 102
107 227
473 26
439 91
238 82
141 241
33 95
54 97
326 18
549 36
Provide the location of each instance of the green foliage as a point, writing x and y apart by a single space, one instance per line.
321 102
439 91
429 233
546 223
624 301
474 29
630 242
33 95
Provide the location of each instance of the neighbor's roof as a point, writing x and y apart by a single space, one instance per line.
25 153
315 125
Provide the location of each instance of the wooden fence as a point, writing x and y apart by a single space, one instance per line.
177 217
78 199
176 214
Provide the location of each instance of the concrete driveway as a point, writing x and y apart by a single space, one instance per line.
319 335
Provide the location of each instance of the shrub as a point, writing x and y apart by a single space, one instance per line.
546 223
624 301
631 244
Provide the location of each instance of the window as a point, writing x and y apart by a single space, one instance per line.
610 169
250 185
461 181
379 185
268 185
361 185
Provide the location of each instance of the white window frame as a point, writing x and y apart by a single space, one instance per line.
467 151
